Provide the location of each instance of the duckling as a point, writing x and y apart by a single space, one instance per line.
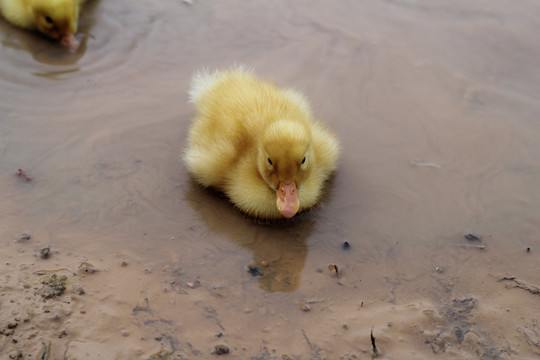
56 19
258 144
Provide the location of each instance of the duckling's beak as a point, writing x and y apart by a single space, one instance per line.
287 199
69 41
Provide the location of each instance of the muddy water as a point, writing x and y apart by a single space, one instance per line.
436 104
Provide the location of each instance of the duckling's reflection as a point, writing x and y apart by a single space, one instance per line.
48 51
279 249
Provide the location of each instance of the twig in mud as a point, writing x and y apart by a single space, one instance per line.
374 351
45 351
472 237
472 246
335 268
315 349
23 175
522 284
211 313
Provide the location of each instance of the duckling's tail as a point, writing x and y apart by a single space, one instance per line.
206 79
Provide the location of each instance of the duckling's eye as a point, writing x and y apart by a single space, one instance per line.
48 19
303 160
269 161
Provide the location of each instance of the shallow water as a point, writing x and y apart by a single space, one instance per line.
436 106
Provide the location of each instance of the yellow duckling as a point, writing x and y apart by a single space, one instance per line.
258 144
57 19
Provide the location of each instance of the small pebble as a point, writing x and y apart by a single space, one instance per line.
346 246
221 349
44 253
254 271
124 263
305 307
528 249
16 355
472 237
79 291
124 333
194 284
22 237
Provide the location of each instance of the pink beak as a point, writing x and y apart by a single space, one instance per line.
70 42
287 199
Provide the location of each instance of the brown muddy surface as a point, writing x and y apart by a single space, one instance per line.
436 105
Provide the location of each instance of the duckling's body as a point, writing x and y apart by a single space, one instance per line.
258 144
57 19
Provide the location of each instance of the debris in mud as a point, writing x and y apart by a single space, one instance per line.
438 345
453 326
335 268
346 246
86 267
6 332
531 331
219 290
162 355
123 263
19 237
374 350
461 308
45 352
23 175
221 349
194 284
522 284
305 307
472 246
53 287
211 313
44 253
315 349
254 271
528 249
16 355
79 291
472 237
474 242
142 308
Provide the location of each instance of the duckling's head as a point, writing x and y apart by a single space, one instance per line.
58 20
285 160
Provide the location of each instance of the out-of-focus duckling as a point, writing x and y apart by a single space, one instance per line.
258 144
56 19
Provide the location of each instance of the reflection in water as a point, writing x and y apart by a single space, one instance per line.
55 75
279 250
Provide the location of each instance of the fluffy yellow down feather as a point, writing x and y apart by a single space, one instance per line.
258 143
58 19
